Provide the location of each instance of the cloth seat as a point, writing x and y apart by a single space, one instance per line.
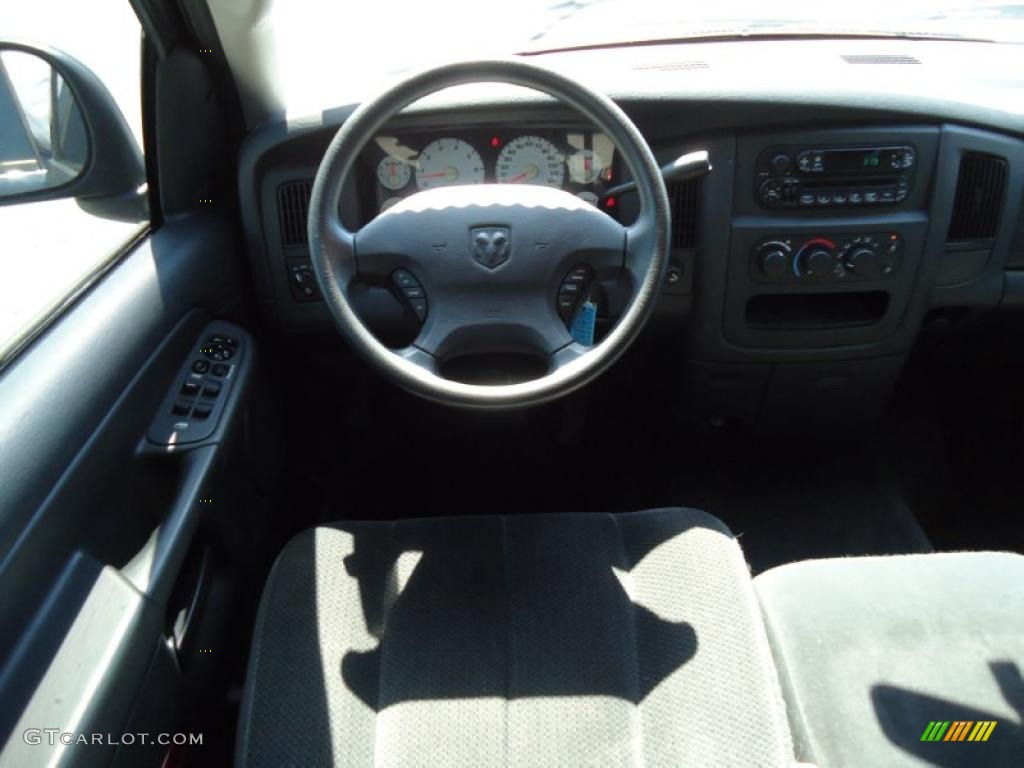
529 640
872 650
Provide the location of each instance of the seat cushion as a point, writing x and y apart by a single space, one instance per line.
547 640
872 650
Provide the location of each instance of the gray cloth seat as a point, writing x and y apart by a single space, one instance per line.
546 640
870 651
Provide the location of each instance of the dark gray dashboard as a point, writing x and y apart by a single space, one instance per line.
902 254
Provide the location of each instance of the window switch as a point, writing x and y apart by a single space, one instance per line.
190 389
181 408
211 389
201 366
202 410
219 369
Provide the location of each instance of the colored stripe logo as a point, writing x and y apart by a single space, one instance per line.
958 730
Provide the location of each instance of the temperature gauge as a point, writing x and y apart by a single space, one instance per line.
584 166
393 173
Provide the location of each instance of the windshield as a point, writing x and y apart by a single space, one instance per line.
306 51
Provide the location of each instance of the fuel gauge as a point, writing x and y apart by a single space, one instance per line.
584 166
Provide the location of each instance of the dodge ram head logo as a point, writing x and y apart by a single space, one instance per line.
490 245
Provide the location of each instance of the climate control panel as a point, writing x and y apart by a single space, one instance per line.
847 257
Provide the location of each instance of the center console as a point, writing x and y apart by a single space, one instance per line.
818 273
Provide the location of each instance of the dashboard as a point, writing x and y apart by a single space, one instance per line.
853 206
577 160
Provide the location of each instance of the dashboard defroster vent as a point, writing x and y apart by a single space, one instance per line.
872 58
673 66
293 208
980 188
684 205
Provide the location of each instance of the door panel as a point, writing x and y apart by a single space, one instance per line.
95 521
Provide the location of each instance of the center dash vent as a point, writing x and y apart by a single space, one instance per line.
293 208
980 188
684 205
873 58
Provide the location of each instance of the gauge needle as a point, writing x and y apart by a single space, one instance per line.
450 173
530 172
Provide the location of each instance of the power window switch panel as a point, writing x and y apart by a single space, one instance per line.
202 410
211 389
190 389
181 408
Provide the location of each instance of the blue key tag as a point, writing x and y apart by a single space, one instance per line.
582 330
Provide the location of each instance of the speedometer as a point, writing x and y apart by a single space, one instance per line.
444 162
530 160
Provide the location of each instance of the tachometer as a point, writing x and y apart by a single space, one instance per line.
444 162
393 173
530 160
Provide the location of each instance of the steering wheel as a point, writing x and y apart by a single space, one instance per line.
490 258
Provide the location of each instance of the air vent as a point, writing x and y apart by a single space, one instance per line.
293 208
684 205
979 198
1015 259
674 66
855 58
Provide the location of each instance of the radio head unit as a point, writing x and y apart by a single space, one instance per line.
834 176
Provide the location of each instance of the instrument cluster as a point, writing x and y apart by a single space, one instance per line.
579 161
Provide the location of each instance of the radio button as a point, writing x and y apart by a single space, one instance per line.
871 197
771 192
780 163
839 198
806 199
824 198
856 198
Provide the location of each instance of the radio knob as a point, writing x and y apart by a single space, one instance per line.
780 163
774 262
863 261
817 262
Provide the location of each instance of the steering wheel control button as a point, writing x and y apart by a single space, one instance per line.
573 287
404 279
419 306
411 292
200 366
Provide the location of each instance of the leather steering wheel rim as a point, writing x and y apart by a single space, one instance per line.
333 247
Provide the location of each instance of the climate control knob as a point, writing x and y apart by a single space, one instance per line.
864 262
816 262
774 262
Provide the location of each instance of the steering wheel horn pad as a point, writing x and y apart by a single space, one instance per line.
490 256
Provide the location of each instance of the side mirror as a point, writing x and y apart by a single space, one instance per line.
63 136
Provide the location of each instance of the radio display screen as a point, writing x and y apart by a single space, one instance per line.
860 160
